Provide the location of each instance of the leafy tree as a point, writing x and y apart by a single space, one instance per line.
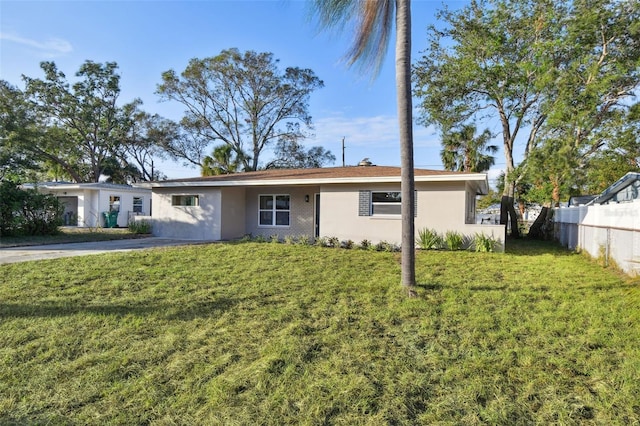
373 25
464 152
16 122
144 140
555 71
86 110
487 62
289 154
597 72
239 99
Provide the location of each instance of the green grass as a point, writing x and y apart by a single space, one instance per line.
69 235
280 334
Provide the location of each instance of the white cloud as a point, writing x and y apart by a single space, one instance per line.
50 48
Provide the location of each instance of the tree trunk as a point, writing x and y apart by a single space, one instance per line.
405 121
535 231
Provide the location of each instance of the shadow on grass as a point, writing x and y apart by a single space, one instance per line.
530 247
203 309
430 286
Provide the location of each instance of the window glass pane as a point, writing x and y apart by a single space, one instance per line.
266 218
185 200
266 202
114 203
282 218
386 208
282 202
137 204
385 197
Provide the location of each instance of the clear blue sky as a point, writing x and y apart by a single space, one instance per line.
146 38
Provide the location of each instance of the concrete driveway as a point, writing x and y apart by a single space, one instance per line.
54 251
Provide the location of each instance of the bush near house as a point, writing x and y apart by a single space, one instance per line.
28 212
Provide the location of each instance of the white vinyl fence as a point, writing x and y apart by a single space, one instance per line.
610 231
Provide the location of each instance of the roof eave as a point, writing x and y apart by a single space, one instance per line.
306 182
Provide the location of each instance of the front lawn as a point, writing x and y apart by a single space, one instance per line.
70 235
277 334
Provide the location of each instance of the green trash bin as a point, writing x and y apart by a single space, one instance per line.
110 219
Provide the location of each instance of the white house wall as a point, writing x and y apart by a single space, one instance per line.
202 222
126 203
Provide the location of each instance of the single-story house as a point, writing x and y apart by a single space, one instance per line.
350 203
86 203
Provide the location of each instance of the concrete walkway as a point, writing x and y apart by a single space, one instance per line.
54 251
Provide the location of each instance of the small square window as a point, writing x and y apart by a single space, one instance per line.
274 210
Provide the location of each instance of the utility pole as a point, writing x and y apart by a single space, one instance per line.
343 151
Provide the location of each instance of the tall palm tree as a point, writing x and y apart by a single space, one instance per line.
463 151
374 22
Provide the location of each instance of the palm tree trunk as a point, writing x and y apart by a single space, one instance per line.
405 118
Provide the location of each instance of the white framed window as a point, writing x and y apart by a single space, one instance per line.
114 203
274 210
185 200
137 204
385 203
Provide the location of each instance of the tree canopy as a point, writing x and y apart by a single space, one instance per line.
243 100
556 76
76 130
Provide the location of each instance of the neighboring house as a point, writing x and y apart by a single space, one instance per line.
350 203
607 227
86 203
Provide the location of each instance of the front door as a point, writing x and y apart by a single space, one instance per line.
317 216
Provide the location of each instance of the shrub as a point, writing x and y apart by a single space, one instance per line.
454 240
304 240
289 239
484 243
260 239
386 246
333 242
348 244
321 242
365 245
28 212
274 238
429 239
140 227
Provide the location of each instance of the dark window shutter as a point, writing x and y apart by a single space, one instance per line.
364 203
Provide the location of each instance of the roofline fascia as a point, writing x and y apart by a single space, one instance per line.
306 182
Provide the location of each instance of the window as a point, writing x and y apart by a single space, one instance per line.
114 203
385 203
137 204
185 200
274 210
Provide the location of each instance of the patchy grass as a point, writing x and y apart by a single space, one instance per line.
279 334
70 235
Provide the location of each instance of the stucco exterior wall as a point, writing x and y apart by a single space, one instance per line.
233 214
442 206
126 203
301 220
202 222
